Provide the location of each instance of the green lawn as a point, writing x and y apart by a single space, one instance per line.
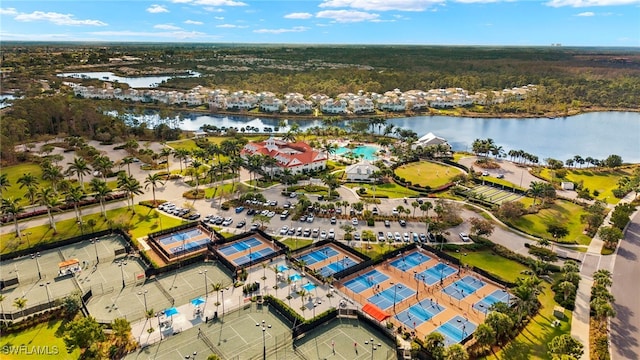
295 244
14 173
43 336
532 342
144 221
190 144
562 212
223 190
391 190
603 181
425 173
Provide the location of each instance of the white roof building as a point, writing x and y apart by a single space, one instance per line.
361 171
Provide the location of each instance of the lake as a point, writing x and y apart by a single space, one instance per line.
597 134
134 82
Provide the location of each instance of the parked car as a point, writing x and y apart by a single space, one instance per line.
500 176
303 218
254 227
333 220
306 232
194 216
251 212
485 173
239 209
240 224
293 195
299 231
331 235
387 223
284 215
354 221
415 237
315 232
323 235
423 237
389 235
291 232
403 223
356 236
381 236
397 236
464 237
228 221
271 214
310 218
283 230
405 237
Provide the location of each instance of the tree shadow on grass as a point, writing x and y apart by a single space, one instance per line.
516 350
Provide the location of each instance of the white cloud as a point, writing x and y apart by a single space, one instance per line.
156 9
211 2
167 27
36 37
303 15
586 13
8 11
586 3
219 17
170 34
382 5
280 31
193 22
212 9
57 19
232 26
347 16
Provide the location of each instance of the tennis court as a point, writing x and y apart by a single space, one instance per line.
463 287
253 256
393 295
181 236
240 246
410 261
365 281
456 329
318 255
497 296
337 266
420 313
436 273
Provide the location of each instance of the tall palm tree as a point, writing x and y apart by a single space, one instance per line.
332 182
329 149
31 183
536 188
181 155
153 180
127 161
131 187
80 168
100 190
217 287
54 174
74 196
12 207
103 165
20 303
165 153
196 164
47 197
4 182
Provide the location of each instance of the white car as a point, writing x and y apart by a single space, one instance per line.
284 230
389 235
323 235
332 234
397 236
405 237
227 222
354 222
464 237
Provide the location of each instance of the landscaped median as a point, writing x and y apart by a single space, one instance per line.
138 223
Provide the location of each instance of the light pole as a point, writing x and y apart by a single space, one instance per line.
395 290
95 247
191 356
144 294
206 291
121 264
373 346
46 285
415 276
35 256
28 242
159 325
222 292
264 343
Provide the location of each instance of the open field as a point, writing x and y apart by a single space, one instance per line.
426 173
390 190
141 223
604 181
504 268
14 173
40 337
561 212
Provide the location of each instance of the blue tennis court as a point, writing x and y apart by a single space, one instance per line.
318 255
240 246
463 287
497 296
410 261
419 313
253 257
179 237
393 295
366 281
190 246
337 266
433 274
456 329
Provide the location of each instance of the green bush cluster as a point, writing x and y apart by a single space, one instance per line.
249 288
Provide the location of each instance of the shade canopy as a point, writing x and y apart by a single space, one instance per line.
197 301
171 311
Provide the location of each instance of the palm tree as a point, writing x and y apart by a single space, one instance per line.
603 277
567 288
20 303
181 155
47 197
131 187
12 207
103 165
289 136
53 174
536 188
217 287
31 183
100 190
127 161
329 149
121 328
4 182
332 182
80 168
153 180
196 164
165 153
74 196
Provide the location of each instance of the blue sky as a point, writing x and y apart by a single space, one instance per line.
425 22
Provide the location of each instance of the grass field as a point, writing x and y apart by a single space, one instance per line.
532 342
144 221
41 337
190 144
223 190
603 181
426 173
562 212
295 244
391 190
14 173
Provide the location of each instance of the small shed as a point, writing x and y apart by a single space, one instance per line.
558 312
567 185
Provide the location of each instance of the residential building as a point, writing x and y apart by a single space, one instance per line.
360 172
298 157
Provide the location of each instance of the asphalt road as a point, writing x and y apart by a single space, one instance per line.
625 326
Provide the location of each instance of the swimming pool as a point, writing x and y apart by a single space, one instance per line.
367 152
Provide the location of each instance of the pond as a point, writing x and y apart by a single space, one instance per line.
134 82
